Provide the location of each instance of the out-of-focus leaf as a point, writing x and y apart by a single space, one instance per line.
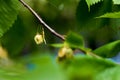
8 14
57 45
55 3
116 2
85 68
43 69
33 68
108 50
110 15
86 19
15 39
74 40
92 2
10 75
12 71
109 74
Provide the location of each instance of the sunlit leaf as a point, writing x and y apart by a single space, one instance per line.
92 2
8 14
57 45
108 50
109 74
116 2
110 15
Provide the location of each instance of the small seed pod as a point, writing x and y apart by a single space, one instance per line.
65 52
38 38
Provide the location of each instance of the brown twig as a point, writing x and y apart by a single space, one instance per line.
48 27
41 21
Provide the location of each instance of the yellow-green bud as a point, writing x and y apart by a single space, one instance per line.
65 52
38 39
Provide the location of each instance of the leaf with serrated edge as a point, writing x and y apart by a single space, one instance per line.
8 14
92 2
110 15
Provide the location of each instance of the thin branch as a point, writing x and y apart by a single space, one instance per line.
41 21
90 53
49 28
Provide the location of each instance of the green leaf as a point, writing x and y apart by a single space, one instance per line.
8 14
86 19
116 2
109 74
15 39
108 50
57 45
85 68
43 68
110 15
12 71
10 75
37 67
74 40
92 2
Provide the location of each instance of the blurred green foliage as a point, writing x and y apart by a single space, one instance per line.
85 67
44 67
109 74
91 19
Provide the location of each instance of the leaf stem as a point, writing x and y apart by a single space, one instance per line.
42 22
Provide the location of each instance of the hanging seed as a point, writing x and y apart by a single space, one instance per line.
43 33
38 38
